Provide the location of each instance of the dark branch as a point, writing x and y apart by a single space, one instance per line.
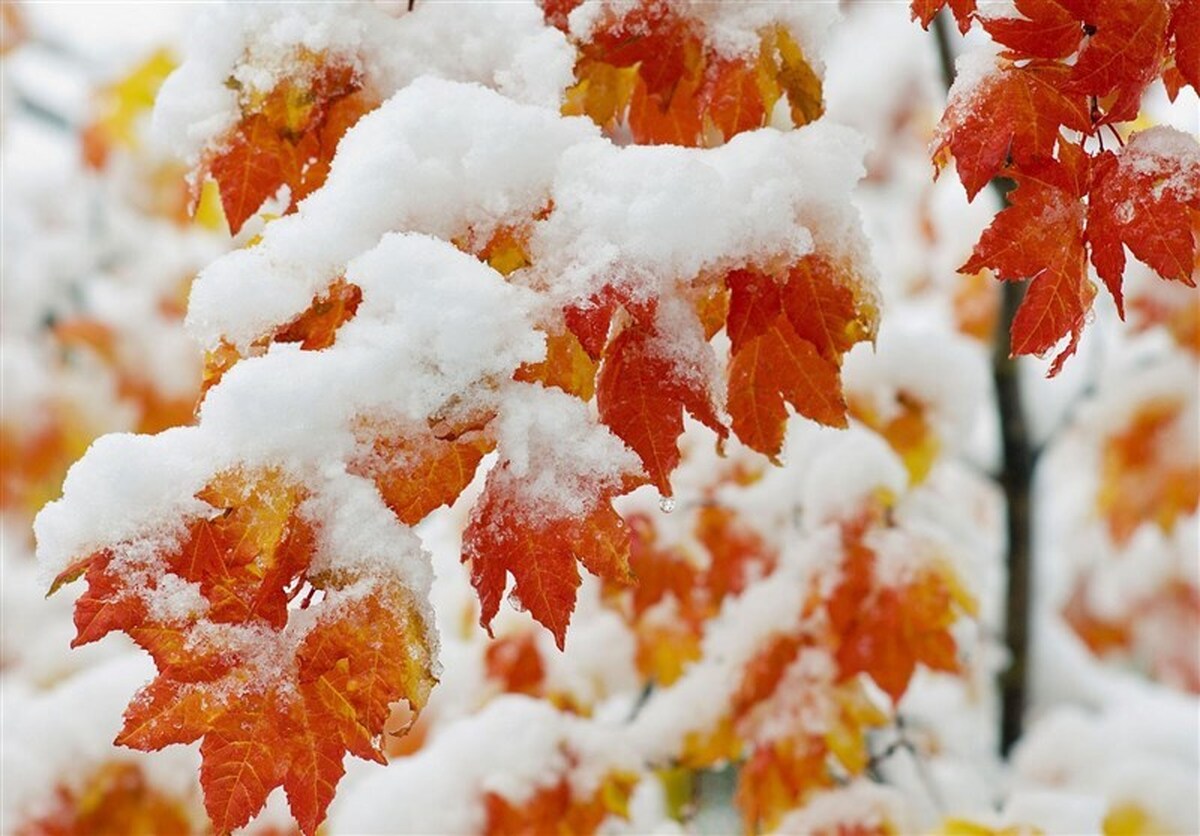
1015 477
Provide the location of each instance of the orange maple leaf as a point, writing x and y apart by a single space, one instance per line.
287 138
417 472
277 703
775 366
539 547
886 629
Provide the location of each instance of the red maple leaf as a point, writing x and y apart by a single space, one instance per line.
1145 201
642 392
926 10
1012 116
1040 237
1123 52
1045 29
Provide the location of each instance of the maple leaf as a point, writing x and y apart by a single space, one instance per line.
1185 22
1123 52
601 92
539 547
417 472
1143 479
1040 236
778 777
926 10
567 366
1013 114
737 554
287 138
655 36
795 76
820 300
642 392
276 703
773 363
678 121
590 320
263 733
734 101
886 630
515 664
1145 201
1045 29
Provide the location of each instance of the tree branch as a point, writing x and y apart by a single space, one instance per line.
1015 477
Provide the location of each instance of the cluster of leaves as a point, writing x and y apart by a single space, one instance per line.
869 625
286 137
558 809
1067 72
115 798
34 456
281 671
1145 482
649 69
276 700
676 595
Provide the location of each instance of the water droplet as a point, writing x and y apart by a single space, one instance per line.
666 504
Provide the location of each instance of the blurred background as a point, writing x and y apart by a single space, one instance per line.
99 249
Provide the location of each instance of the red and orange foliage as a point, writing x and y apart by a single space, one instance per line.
1143 477
648 68
508 535
275 704
869 625
1146 482
556 809
248 566
886 629
34 457
286 137
790 324
115 800
1067 72
676 593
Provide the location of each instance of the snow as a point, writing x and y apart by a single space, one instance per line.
561 457
504 45
60 736
439 158
512 747
468 140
